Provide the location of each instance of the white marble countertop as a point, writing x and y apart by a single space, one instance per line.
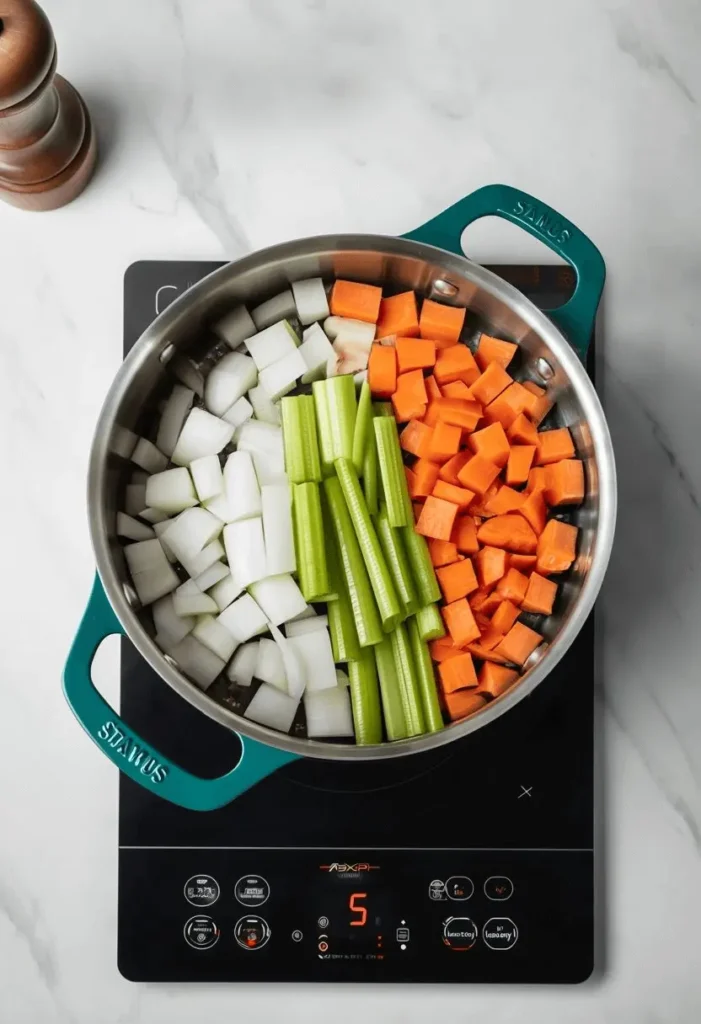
226 126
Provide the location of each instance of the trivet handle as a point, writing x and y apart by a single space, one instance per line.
576 318
133 755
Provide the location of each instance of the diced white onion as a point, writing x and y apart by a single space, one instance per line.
294 668
273 708
224 592
315 350
308 613
173 417
123 441
145 554
220 508
197 661
263 440
203 434
151 574
229 380
153 515
235 327
134 498
243 619
317 658
170 491
276 502
147 456
209 554
278 308
344 329
189 534
328 713
159 529
263 408
239 412
272 344
298 627
241 487
170 627
280 378
211 576
245 550
188 599
270 667
207 477
132 529
310 300
213 635
243 664
279 597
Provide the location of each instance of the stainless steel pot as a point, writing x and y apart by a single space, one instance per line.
429 260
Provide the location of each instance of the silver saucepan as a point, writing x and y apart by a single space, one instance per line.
429 260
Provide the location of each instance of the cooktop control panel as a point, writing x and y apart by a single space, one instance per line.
240 915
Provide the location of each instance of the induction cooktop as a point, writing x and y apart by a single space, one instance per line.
470 863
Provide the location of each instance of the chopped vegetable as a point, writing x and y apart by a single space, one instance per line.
365 698
278 308
245 551
197 661
456 363
513 585
278 597
203 434
553 445
478 474
397 561
244 619
444 442
522 431
556 547
241 486
437 518
414 354
207 477
398 316
442 323
363 427
460 622
490 564
519 643
356 301
328 713
344 635
540 595
299 431
272 707
132 529
391 470
309 541
463 703
425 679
465 535
564 482
509 531
173 417
457 580
519 465
429 623
243 664
314 650
494 350
457 673
235 327
495 679
310 300
493 380
382 371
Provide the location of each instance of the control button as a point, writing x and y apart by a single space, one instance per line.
459 933
201 932
403 934
498 887
436 890
323 922
459 887
323 946
252 932
297 935
252 891
201 890
500 933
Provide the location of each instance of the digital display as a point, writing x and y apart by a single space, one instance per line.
357 918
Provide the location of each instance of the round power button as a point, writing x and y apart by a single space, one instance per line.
252 932
459 933
201 932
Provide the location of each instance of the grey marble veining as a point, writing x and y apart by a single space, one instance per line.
226 126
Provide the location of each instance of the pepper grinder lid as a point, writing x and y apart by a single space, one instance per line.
27 50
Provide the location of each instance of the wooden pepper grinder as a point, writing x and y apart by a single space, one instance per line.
47 142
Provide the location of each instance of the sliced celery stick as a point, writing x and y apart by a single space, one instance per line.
302 462
380 578
383 409
370 475
363 427
421 566
323 425
430 623
309 541
365 614
425 678
408 683
390 691
389 457
341 404
397 561
344 636
365 698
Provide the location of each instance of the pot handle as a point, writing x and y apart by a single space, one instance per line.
576 318
125 748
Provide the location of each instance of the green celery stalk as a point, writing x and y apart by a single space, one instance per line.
321 406
340 401
383 409
363 427
299 432
370 474
344 636
380 578
408 682
390 691
365 698
394 485
309 542
396 558
365 614
421 566
430 623
426 678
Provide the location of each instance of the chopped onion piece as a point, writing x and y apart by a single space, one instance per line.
207 477
197 661
210 554
272 344
170 491
343 329
280 378
263 408
308 613
148 456
278 308
211 576
224 592
203 434
294 668
153 515
213 635
315 350
328 713
245 550
159 529
188 599
132 529
270 667
264 442
349 357
310 300
144 555
241 487
239 412
317 658
188 374
276 501
134 498
243 619
235 327
298 627
273 708
123 441
229 380
173 417
151 574
170 627
279 597
243 664
189 534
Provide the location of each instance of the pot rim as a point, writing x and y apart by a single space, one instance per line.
500 290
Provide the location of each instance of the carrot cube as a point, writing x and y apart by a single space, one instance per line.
382 371
457 673
457 580
491 443
495 679
484 602
437 518
519 465
450 469
464 535
398 315
490 383
478 474
433 391
442 323
445 441
522 431
540 595
536 479
494 350
491 564
534 511
465 415
410 398
443 648
554 445
524 563
414 354
512 587
431 417
442 552
509 531
356 301
456 363
564 482
425 476
463 703
505 500
458 495
416 438
460 622
543 404
556 547
519 643
456 389
505 616
508 405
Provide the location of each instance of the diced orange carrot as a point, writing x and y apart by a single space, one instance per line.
445 441
512 586
507 406
457 580
534 511
410 481
564 482
450 469
457 673
455 363
456 389
524 563
543 406
460 622
540 595
519 643
510 531
398 316
505 500
414 354
458 412
441 322
410 398
490 383
437 518
480 651
535 389
554 445
382 371
484 602
431 417
478 474
463 703
418 508
536 479
443 648
495 680
458 495
505 616
490 563
490 637
522 431
479 507
425 476
416 438
464 535
433 391
519 465
557 546
494 350
491 443
442 552
356 301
